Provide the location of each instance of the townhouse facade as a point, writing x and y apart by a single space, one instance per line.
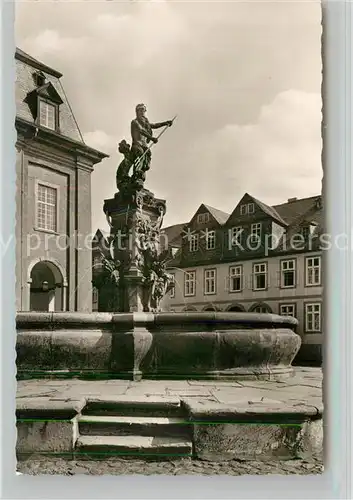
256 259
53 197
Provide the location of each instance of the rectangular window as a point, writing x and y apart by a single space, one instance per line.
256 232
194 242
190 283
210 281
47 115
203 218
305 231
46 208
235 235
313 271
287 310
172 290
260 276
210 240
235 279
251 208
288 273
313 317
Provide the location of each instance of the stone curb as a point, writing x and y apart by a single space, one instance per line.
219 431
48 408
195 409
253 412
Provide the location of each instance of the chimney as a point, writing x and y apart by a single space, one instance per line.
290 200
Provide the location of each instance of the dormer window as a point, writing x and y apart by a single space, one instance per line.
47 114
44 103
308 230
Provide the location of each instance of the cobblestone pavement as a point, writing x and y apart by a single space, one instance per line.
45 465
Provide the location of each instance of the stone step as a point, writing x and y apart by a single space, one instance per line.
138 406
101 447
94 425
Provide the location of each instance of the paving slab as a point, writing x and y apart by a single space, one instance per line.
93 391
135 399
200 392
283 420
305 387
213 383
35 407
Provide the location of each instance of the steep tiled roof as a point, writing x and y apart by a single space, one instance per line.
293 213
220 216
300 213
26 65
174 234
271 211
295 209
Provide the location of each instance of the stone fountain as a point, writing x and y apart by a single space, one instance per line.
139 340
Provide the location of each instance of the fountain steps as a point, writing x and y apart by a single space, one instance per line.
140 428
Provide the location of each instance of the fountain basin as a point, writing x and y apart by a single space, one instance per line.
186 345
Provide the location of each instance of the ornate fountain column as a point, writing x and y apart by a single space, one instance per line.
135 223
135 229
135 265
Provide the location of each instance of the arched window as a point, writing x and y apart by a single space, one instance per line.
190 309
210 308
236 308
260 307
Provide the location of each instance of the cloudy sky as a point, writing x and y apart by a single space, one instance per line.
243 77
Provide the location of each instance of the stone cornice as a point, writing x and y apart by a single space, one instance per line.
54 139
36 150
27 59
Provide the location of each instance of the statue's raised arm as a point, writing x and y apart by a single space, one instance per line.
139 156
142 129
168 123
142 135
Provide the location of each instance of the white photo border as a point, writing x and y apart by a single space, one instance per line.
335 482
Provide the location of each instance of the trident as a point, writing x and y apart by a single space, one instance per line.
140 158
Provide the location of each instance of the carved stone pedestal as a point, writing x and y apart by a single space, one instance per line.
135 222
